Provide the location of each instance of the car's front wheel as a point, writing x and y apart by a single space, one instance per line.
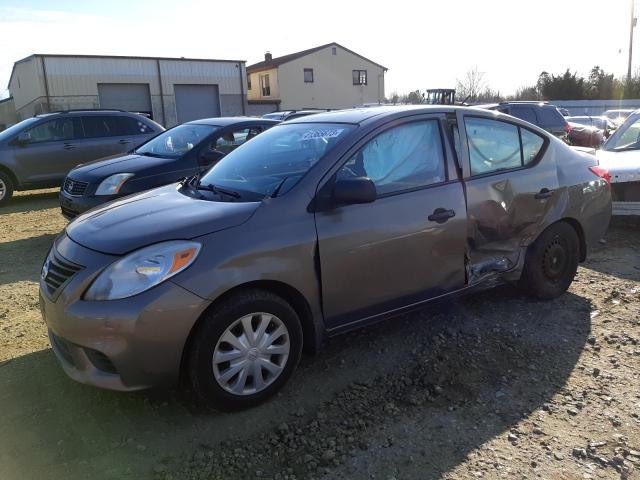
6 188
551 262
244 350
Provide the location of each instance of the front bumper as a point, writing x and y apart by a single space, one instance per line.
127 344
72 206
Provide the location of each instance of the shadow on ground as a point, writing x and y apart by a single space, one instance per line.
458 374
22 259
623 233
31 202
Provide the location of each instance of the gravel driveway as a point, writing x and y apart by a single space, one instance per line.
493 385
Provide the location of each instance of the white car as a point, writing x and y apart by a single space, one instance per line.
620 155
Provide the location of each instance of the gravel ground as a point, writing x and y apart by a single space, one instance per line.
494 385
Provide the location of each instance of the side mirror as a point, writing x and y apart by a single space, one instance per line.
211 156
354 190
24 138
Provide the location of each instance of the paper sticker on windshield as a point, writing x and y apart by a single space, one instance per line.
322 133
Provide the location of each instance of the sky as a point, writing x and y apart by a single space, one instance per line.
424 44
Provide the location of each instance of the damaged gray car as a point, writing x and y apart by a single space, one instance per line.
318 226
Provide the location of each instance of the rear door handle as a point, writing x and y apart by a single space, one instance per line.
68 146
544 193
441 215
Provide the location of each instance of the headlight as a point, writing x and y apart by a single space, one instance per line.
112 185
143 269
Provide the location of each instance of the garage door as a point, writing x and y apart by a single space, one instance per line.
132 97
196 101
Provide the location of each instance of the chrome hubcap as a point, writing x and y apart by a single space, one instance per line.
3 189
251 353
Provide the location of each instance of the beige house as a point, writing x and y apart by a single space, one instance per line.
328 76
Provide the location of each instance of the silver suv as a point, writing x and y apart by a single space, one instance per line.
38 152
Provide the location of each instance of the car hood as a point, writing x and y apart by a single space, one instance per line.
154 216
130 163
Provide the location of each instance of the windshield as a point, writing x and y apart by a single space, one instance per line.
627 137
276 159
176 142
17 128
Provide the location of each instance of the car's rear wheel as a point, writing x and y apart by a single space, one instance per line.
551 262
244 350
6 188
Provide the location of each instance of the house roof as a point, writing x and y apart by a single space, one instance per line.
275 62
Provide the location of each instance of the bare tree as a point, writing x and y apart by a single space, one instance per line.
470 87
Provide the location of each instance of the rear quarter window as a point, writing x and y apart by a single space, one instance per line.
551 117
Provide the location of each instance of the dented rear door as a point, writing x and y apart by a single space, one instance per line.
511 190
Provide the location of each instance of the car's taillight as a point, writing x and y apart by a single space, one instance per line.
567 128
601 172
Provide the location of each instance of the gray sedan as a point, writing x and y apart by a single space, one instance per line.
317 226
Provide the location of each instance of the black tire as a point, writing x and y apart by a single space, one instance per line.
7 192
200 370
551 262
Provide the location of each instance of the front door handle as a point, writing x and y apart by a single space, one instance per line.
544 193
441 215
68 146
124 142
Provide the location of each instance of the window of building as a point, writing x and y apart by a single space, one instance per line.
334 51
495 145
56 130
249 82
402 158
264 85
308 75
359 77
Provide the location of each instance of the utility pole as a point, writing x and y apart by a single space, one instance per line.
633 24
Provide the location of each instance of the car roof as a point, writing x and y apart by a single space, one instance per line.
359 115
226 121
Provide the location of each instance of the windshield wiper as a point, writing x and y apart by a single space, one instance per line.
277 189
219 190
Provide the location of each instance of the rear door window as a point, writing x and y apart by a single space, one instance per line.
134 126
60 129
96 126
551 117
527 114
495 145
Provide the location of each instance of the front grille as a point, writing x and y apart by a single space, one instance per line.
62 347
57 271
74 187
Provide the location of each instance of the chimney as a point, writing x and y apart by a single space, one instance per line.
268 57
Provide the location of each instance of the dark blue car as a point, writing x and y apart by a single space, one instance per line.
182 151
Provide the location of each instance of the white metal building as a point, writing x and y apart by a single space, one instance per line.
170 90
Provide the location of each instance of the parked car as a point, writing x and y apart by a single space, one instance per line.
542 114
618 116
564 112
38 152
620 155
585 135
318 226
601 122
179 152
291 114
